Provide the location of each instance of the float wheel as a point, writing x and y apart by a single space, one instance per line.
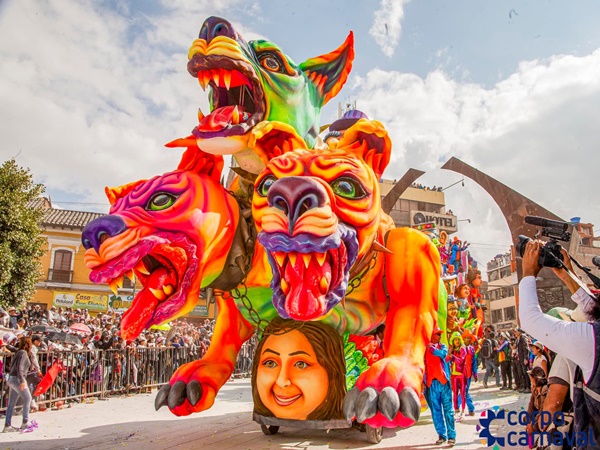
270 430
374 435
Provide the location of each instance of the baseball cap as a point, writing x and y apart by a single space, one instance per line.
437 330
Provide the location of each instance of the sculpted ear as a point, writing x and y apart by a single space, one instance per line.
115 193
369 141
329 72
195 160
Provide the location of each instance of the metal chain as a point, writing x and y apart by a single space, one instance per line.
242 294
355 282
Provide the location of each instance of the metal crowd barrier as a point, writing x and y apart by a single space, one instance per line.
102 373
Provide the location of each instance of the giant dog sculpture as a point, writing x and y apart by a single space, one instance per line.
337 258
319 218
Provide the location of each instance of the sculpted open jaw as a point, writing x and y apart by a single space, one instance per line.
237 98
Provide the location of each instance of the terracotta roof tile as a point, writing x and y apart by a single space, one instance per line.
67 218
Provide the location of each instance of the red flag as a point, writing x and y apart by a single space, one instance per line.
48 379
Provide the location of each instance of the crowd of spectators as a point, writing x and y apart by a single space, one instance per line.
104 330
99 360
427 188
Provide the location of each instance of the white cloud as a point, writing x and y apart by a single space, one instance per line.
90 95
535 131
387 25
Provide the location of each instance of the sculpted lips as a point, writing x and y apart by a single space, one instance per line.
310 273
164 264
285 401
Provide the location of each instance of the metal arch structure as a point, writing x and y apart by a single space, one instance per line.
388 202
514 206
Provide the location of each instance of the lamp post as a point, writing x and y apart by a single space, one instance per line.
461 181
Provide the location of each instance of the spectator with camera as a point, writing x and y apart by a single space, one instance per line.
579 341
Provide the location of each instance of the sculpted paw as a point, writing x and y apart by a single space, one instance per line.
385 396
193 387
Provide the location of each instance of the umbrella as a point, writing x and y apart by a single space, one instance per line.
7 337
67 338
81 328
43 329
163 327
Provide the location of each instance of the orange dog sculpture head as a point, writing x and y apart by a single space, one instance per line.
317 213
173 231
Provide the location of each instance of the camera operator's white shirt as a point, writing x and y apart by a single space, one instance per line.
573 340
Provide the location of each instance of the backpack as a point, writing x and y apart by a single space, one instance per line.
487 349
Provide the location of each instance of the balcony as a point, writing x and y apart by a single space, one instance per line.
60 276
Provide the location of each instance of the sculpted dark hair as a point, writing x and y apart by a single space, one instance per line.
329 350
471 275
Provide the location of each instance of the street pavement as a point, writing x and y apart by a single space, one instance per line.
131 422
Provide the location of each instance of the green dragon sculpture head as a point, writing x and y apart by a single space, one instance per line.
261 102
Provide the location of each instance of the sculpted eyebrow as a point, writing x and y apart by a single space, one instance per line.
299 352
271 351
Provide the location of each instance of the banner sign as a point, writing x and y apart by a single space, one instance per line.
119 303
199 311
446 222
81 300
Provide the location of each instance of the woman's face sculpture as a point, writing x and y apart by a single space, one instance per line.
290 381
452 310
464 292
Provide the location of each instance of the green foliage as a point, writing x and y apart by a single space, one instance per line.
21 243
356 362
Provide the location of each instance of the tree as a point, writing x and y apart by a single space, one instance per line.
21 241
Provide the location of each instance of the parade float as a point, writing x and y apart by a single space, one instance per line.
297 250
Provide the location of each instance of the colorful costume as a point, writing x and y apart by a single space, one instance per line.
470 372
457 375
438 392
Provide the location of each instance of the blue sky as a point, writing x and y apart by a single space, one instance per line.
92 90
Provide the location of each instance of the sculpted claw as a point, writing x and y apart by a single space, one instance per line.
389 402
410 406
366 405
349 406
177 394
194 392
161 397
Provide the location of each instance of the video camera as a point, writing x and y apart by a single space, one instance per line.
555 230
550 255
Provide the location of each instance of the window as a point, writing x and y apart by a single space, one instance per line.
62 260
127 283
510 313
61 267
496 315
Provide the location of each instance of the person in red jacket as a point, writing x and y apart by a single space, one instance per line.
438 392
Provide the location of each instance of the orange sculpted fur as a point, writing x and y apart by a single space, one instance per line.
337 258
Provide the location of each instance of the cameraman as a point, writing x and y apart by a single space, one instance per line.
579 341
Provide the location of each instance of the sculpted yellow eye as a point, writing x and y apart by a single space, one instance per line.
271 62
265 184
160 201
349 188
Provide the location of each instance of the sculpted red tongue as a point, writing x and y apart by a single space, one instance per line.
305 300
221 118
136 318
